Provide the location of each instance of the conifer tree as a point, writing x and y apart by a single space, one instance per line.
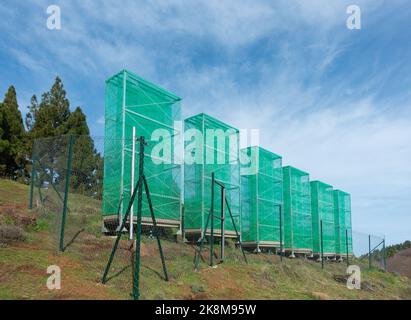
12 136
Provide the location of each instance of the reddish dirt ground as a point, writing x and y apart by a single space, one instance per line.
401 263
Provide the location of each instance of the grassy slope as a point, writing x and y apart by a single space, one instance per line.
23 269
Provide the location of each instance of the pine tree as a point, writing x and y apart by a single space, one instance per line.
47 119
3 142
52 113
32 113
86 161
12 151
51 118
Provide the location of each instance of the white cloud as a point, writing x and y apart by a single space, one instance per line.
101 120
339 133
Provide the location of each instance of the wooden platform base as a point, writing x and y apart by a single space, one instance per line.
192 233
166 223
261 244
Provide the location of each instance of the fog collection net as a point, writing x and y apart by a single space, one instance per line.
212 146
81 183
297 210
322 210
262 198
134 108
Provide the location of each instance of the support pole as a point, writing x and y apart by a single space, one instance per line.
150 205
33 170
346 245
212 220
68 174
369 251
281 231
119 232
123 142
210 217
222 223
197 258
384 257
136 278
39 189
138 190
183 230
322 245
235 229
133 159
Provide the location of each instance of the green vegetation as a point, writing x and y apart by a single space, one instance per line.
23 265
51 117
393 249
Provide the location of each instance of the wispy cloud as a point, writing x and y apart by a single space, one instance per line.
332 101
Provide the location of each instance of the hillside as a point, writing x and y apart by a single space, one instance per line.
400 263
26 250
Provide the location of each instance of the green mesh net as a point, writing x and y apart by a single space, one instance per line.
134 105
262 196
342 217
297 211
211 146
322 207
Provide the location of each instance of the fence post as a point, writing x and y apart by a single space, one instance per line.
136 276
384 257
183 230
222 223
212 221
32 185
322 245
346 245
281 232
369 251
68 173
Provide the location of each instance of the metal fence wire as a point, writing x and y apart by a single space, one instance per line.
68 194
66 186
370 249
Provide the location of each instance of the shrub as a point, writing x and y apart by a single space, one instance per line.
10 233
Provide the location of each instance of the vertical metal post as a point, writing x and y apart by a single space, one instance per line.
33 170
322 245
212 220
222 223
369 251
183 230
346 245
136 278
138 190
68 174
281 232
133 159
198 255
235 229
384 257
119 232
150 205
123 136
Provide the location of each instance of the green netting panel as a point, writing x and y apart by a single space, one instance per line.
297 210
322 207
210 146
132 102
261 196
342 217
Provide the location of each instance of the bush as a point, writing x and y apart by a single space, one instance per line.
9 233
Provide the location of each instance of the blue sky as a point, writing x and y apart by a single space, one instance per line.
334 102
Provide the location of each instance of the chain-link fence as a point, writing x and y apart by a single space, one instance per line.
66 186
67 192
369 250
